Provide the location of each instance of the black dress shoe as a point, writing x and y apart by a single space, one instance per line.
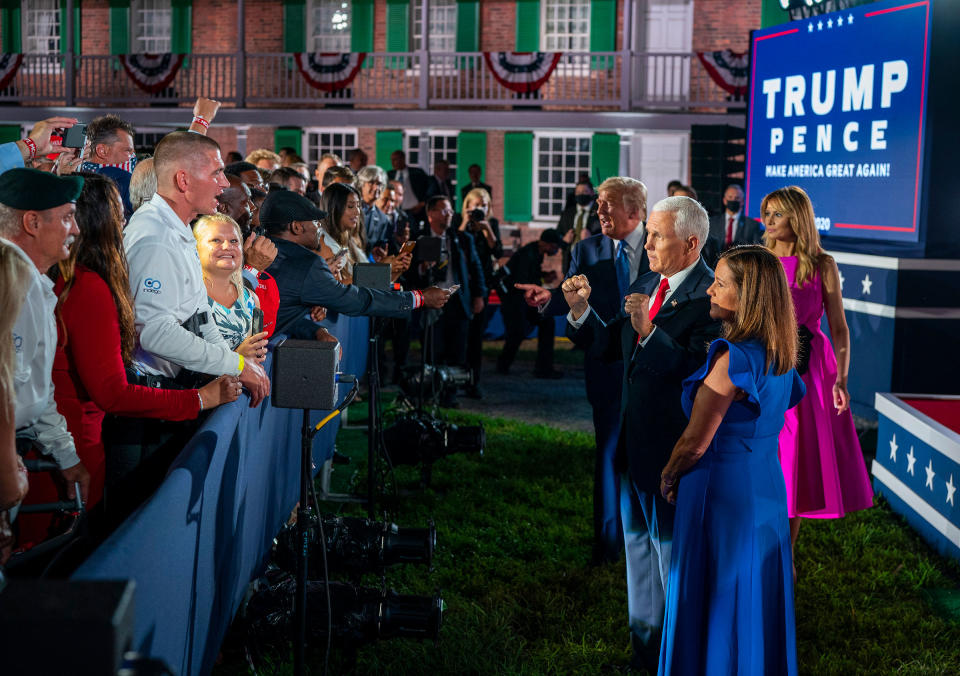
552 374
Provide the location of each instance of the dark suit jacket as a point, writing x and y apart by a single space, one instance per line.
438 187
651 417
594 257
568 220
419 181
470 186
467 272
749 231
304 281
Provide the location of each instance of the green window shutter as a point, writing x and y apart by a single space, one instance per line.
181 28
604 157
398 31
772 13
76 26
9 133
361 28
468 23
603 32
387 143
288 136
528 25
119 26
294 26
10 18
471 149
517 176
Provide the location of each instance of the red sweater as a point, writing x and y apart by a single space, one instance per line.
89 381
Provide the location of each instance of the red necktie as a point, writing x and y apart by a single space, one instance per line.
729 231
658 301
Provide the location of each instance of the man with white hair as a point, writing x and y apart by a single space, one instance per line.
662 336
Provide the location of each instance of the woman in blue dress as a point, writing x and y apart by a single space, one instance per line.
729 607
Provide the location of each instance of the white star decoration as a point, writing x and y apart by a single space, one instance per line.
842 279
951 489
810 27
893 448
839 20
829 23
911 458
930 474
850 18
866 283
819 25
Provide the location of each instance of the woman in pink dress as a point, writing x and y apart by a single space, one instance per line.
819 451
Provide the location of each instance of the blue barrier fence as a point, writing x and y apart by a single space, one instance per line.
194 545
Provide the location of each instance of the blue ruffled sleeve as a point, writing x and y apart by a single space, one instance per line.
743 372
798 390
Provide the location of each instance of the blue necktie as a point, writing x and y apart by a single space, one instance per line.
623 269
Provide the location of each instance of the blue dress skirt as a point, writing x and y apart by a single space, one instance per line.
729 605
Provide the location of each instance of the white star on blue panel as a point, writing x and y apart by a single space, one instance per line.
850 18
829 23
842 279
893 448
810 27
930 474
819 25
839 20
951 489
866 283
911 459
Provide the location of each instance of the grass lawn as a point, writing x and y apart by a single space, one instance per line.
514 532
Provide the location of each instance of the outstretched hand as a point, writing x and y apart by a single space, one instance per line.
534 294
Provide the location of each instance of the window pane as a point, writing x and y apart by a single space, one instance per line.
329 29
559 163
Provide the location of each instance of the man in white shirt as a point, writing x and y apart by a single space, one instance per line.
175 330
37 220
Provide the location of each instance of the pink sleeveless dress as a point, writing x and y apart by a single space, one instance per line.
820 454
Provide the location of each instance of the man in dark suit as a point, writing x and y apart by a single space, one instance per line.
440 183
662 337
415 182
731 227
474 172
579 219
611 261
458 265
304 280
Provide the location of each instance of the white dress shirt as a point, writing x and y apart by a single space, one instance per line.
409 198
35 345
166 281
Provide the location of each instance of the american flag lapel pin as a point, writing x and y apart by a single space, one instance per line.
673 303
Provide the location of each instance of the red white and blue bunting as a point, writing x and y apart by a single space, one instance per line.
152 72
522 71
728 69
9 65
329 71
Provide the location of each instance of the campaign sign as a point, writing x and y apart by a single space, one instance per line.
837 106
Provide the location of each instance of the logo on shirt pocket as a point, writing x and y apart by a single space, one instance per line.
151 285
17 343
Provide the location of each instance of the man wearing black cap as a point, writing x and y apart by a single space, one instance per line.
526 267
37 220
293 223
175 331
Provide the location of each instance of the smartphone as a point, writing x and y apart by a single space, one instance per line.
453 289
337 256
407 247
76 136
257 320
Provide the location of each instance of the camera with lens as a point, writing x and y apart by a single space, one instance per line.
477 215
420 438
356 545
358 615
502 281
431 380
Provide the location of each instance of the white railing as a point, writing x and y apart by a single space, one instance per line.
588 81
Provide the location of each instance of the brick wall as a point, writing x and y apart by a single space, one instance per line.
498 26
215 25
259 137
718 24
367 141
95 27
493 173
263 25
225 136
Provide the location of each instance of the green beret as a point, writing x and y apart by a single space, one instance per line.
35 190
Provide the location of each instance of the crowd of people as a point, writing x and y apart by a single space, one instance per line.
140 292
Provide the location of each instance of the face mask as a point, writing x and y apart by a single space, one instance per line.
733 206
583 200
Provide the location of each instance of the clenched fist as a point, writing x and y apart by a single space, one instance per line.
576 291
637 305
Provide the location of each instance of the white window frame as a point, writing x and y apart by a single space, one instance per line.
52 64
543 216
154 17
330 40
314 150
545 36
434 152
444 41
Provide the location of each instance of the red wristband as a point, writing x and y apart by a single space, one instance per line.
417 299
31 146
202 122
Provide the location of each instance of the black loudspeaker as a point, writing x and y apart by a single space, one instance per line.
305 374
77 627
372 276
717 154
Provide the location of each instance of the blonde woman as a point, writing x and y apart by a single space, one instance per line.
220 246
14 277
822 462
